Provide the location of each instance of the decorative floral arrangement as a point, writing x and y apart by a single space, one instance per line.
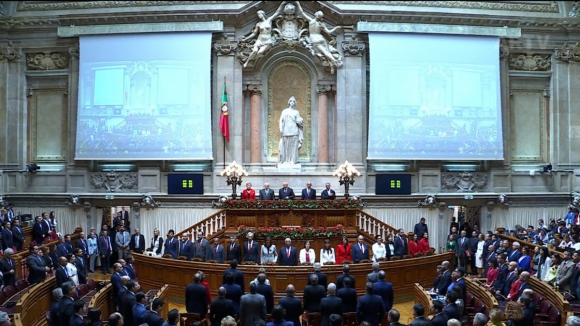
291 232
294 204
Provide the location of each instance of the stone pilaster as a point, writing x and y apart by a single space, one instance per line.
323 91
504 54
73 95
12 106
255 92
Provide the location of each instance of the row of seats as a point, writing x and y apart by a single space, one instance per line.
10 290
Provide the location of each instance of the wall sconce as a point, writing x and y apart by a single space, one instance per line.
346 173
234 174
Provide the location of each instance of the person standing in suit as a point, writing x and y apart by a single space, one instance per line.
313 294
7 267
61 274
249 193
308 193
84 246
401 244
439 318
370 307
384 290
54 306
374 275
345 274
251 249
267 193
18 235
125 218
106 250
445 278
233 250
202 247
330 305
252 307
328 193
421 228
220 308
393 317
234 291
322 278
38 231
217 251
137 243
152 317
185 247
139 308
77 319
237 274
286 192
36 268
81 265
171 245
288 254
195 297
66 308
122 239
128 301
451 310
292 305
462 249
419 315
359 251
265 290
348 296
7 236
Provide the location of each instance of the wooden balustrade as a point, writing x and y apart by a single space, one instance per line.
103 300
372 226
422 297
32 306
163 294
211 226
480 292
531 245
155 272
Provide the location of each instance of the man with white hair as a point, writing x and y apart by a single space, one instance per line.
480 319
288 254
54 306
267 193
322 278
4 319
251 249
374 275
7 267
573 321
330 305
515 254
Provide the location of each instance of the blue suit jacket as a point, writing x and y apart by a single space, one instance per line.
293 308
284 260
217 255
309 196
326 195
357 254
289 193
172 248
254 253
187 250
139 311
514 255
461 283
234 293
370 309
384 290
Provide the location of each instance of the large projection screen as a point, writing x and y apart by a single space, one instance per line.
434 97
144 97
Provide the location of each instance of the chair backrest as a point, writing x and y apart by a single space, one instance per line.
83 289
47 316
2 297
469 300
538 298
21 284
478 306
9 291
92 284
544 307
554 315
349 319
314 319
188 319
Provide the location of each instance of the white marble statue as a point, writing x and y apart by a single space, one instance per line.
291 134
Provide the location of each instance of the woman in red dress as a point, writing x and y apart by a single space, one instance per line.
424 244
413 246
343 251
492 273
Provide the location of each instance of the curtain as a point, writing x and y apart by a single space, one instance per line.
437 221
177 219
509 217
67 219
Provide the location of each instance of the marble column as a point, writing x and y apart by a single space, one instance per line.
323 130
73 95
255 91
13 106
504 52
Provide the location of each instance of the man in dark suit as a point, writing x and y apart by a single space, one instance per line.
61 274
462 249
515 254
502 275
77 319
265 290
328 193
445 278
345 274
236 273
251 249
220 308
54 306
419 315
286 192
384 290
18 235
267 193
8 236
128 300
252 307
491 255
201 247
451 309
524 278
308 193
473 243
139 308
38 231
217 251
288 254
7 267
81 265
510 278
439 318
66 308
126 220
185 247
393 317
359 251
152 317
460 281
529 313
61 250
348 296
83 244
370 307
292 305
420 228
313 294
330 305
171 245
234 291
105 249
137 243
233 250
195 297
36 268
400 244
129 267
322 278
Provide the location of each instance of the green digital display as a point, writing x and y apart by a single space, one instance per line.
180 184
393 184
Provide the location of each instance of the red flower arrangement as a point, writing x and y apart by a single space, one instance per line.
293 204
291 232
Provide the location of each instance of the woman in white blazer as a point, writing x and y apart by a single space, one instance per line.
307 254
327 254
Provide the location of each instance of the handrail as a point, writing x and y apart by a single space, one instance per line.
422 297
102 300
529 244
372 226
212 224
556 298
31 307
163 293
481 293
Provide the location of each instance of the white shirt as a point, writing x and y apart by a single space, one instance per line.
327 256
269 254
311 254
379 251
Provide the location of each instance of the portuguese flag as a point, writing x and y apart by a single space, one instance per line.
224 120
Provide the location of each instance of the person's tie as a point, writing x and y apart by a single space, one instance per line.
198 244
287 252
232 247
362 249
107 243
137 241
216 248
81 260
65 272
249 246
308 192
183 247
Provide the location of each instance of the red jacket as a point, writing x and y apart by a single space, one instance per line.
249 195
342 253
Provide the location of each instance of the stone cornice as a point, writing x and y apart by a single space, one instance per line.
69 5
525 6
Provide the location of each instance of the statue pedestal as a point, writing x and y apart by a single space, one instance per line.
289 168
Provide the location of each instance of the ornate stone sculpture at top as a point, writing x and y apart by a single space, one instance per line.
291 134
292 30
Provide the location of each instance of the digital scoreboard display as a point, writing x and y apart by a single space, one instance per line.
185 184
393 184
